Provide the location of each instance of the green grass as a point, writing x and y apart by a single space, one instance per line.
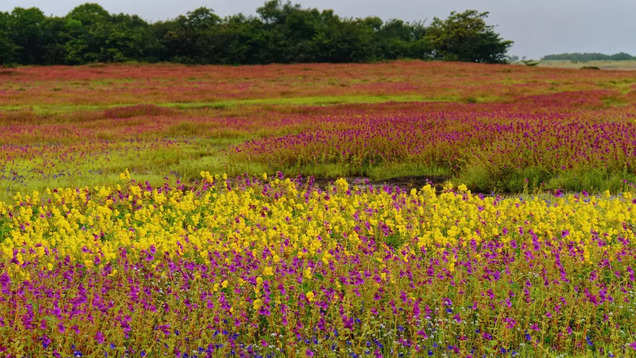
46 109
593 179
509 180
184 160
305 101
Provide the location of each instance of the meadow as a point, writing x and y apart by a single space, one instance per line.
493 128
398 209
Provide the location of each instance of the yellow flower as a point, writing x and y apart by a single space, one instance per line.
125 175
310 296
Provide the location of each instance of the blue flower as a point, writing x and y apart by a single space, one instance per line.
46 341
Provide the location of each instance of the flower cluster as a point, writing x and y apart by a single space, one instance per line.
279 267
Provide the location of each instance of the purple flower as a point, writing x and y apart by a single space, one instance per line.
99 337
46 341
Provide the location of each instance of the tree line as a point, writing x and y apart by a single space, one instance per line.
279 33
586 57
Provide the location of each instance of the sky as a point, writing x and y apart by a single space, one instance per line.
537 27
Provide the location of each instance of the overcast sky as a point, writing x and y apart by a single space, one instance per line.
538 27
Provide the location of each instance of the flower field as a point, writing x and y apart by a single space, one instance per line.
494 128
136 221
282 267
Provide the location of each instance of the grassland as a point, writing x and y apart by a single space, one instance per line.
194 211
65 126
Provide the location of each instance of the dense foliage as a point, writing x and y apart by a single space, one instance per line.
281 32
585 57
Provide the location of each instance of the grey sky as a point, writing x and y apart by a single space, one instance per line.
538 27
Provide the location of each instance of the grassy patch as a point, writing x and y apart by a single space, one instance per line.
307 101
5 228
509 180
182 160
593 179
224 104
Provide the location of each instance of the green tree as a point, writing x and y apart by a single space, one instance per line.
287 32
89 28
94 35
188 38
131 38
54 40
281 32
26 31
7 47
345 41
585 57
465 36
400 39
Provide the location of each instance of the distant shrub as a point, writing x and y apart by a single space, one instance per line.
530 63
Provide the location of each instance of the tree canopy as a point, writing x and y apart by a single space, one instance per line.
465 36
585 57
279 32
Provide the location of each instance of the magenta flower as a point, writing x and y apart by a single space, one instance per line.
99 337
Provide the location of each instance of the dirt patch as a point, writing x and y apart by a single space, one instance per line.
406 182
